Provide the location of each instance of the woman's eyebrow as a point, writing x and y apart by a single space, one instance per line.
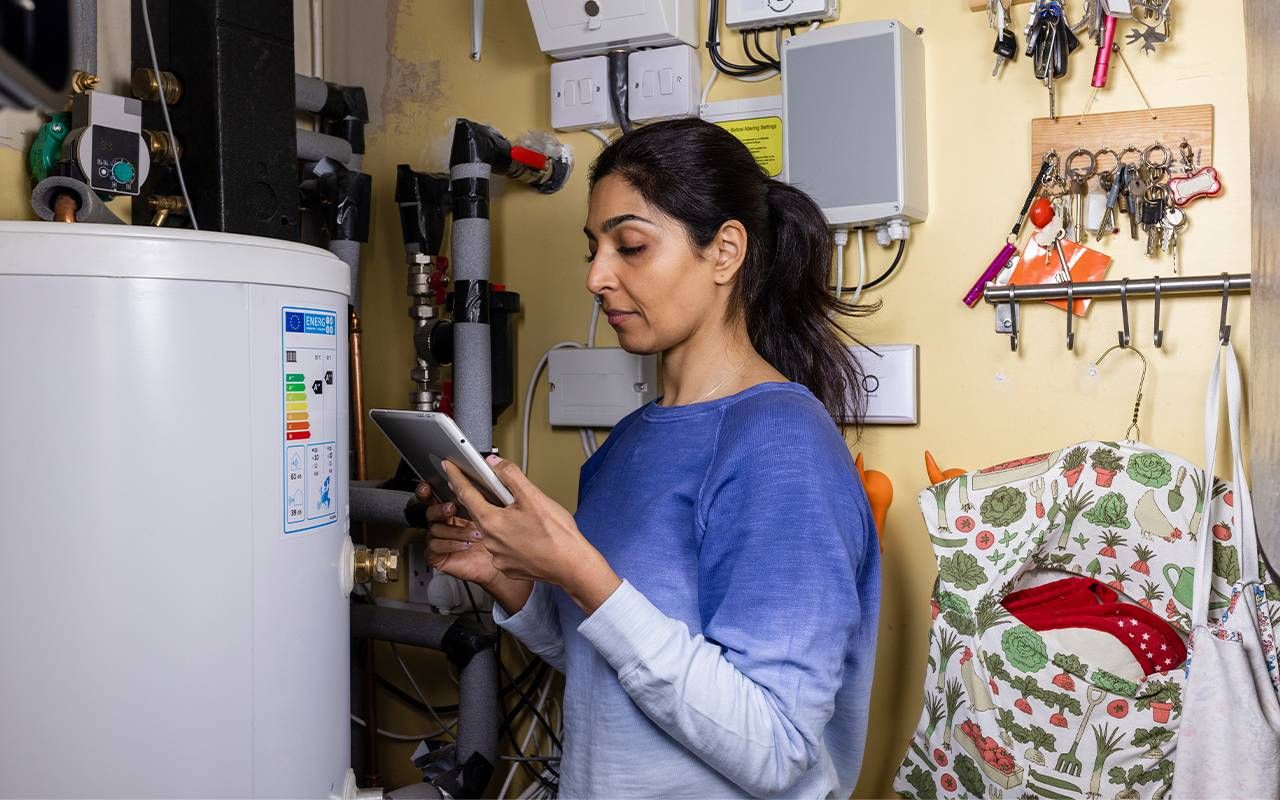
614 222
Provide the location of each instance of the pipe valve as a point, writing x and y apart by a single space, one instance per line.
379 565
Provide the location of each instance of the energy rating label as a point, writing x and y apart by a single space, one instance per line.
309 350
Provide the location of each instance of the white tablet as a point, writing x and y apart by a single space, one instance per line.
424 439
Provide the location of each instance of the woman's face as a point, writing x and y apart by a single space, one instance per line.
656 287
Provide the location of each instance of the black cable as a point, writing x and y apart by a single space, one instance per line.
746 50
506 726
774 60
713 47
618 88
902 246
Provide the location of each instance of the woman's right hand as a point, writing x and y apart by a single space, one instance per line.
451 546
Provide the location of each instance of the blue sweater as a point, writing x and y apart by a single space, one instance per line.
736 657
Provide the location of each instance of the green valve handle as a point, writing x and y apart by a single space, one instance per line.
46 147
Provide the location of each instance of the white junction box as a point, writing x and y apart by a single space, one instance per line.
574 28
597 387
891 381
853 107
751 14
664 83
580 95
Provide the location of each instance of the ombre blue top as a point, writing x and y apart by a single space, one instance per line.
736 657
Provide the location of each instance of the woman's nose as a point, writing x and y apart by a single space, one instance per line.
599 277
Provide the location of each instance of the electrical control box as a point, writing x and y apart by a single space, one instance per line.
757 123
853 107
580 94
890 379
664 83
575 28
752 14
597 387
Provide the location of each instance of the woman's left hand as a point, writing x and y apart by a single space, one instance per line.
535 538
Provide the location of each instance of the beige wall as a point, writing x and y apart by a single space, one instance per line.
980 403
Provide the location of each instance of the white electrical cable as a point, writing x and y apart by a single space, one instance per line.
599 134
164 108
399 737
524 746
841 238
528 400
421 696
862 267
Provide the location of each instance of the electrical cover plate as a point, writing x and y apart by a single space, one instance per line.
597 387
575 28
580 95
664 83
751 14
891 382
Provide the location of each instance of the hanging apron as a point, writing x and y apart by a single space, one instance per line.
1011 711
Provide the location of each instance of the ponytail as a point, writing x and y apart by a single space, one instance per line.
702 176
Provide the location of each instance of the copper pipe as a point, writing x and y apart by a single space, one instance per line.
372 777
65 206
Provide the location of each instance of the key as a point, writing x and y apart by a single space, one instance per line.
1152 216
1134 193
1175 221
1006 50
1112 182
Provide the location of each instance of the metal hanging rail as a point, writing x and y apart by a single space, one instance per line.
1135 287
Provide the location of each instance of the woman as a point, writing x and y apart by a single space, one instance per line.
713 604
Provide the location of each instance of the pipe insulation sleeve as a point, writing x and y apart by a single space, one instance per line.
374 506
310 93
478 724
349 251
473 384
472 369
84 33
91 208
313 146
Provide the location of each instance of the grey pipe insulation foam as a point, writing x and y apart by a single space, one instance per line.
91 208
472 377
309 93
470 649
313 146
84 35
374 506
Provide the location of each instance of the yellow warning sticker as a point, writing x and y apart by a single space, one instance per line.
763 137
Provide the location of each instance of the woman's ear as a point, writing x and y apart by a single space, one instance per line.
729 251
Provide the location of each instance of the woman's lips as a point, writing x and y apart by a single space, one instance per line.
617 317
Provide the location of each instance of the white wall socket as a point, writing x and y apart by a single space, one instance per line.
664 83
891 382
580 95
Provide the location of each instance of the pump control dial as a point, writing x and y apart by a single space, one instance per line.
123 171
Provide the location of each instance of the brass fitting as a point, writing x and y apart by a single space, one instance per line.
164 150
165 204
146 87
380 565
82 81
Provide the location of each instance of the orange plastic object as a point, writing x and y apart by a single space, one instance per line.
938 475
879 492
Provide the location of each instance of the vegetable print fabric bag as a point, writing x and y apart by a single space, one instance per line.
1061 612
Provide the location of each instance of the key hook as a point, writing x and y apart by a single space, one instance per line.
1013 318
1124 311
1071 312
1159 334
1224 330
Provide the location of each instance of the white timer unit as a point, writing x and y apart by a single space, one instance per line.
752 14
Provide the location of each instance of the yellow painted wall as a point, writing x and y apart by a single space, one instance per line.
980 403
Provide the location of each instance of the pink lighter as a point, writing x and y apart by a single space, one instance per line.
1102 65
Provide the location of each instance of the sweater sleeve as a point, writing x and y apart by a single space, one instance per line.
537 625
785 532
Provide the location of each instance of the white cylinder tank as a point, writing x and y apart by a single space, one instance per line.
173 469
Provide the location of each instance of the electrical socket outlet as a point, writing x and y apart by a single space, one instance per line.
891 382
751 14
664 83
580 95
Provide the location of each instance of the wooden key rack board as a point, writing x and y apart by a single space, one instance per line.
981 5
1169 126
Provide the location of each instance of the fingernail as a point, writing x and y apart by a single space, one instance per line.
475 535
448 508
466 545
493 461
450 485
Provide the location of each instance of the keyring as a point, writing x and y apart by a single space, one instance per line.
1157 147
1128 150
1081 175
1097 160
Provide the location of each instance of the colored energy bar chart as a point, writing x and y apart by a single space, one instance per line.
297 420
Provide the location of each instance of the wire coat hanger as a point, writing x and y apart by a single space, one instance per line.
1137 403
